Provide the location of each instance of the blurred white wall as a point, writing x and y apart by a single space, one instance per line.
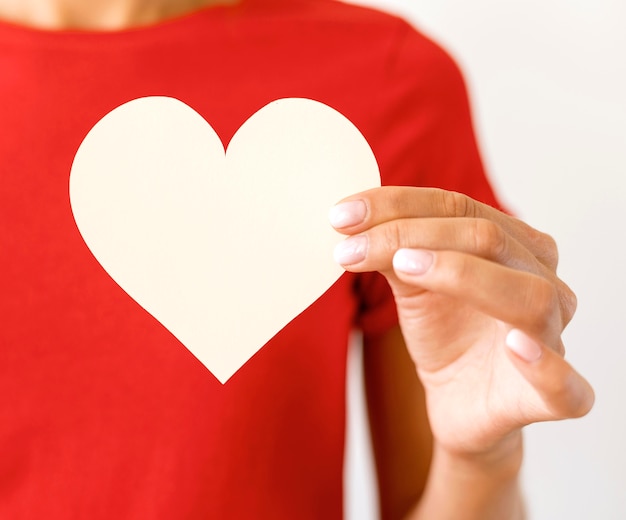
548 84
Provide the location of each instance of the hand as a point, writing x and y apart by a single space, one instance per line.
480 307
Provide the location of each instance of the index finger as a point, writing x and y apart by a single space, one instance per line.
362 211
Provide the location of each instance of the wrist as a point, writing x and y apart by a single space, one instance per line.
503 458
474 485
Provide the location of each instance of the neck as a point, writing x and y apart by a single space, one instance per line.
98 15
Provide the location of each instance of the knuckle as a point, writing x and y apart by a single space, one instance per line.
549 249
543 300
573 398
396 197
456 204
489 238
583 404
391 236
568 300
566 408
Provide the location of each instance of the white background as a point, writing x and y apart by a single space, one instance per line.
547 80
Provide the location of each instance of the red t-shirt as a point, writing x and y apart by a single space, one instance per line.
103 413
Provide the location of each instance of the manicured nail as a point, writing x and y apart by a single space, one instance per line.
347 214
526 348
412 261
351 251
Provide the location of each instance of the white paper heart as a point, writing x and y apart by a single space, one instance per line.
224 249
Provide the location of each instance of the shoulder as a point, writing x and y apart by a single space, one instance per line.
411 54
397 50
359 20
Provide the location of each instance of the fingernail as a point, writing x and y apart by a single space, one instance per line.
412 261
526 348
351 251
347 214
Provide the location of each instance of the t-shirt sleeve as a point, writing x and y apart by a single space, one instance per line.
425 137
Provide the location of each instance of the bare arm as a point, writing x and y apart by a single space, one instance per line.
401 436
414 482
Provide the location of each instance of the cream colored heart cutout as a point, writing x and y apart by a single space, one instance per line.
224 249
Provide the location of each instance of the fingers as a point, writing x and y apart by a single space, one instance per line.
520 298
564 392
374 248
363 211
472 253
383 220
524 300
483 270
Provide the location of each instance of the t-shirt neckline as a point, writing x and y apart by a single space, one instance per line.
14 31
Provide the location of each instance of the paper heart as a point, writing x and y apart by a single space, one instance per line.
224 249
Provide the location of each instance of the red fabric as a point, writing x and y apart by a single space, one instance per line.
103 413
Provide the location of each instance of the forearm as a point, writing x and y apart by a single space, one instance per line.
481 487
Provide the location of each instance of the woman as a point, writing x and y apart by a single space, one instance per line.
106 415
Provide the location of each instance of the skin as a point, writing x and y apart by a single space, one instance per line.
452 260
98 15
477 355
